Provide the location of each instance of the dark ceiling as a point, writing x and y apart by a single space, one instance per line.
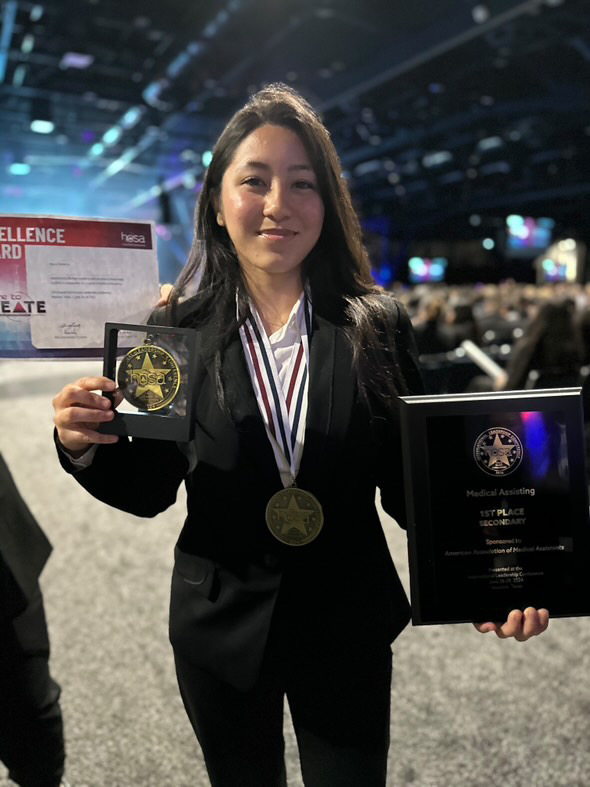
439 108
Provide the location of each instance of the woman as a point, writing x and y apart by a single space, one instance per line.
278 589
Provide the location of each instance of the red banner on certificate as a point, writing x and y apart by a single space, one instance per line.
61 279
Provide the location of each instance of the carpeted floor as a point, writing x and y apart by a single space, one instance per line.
467 710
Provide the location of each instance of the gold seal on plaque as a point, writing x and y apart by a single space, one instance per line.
498 451
294 516
149 377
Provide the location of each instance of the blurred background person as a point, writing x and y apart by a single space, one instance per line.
427 326
550 352
459 324
31 726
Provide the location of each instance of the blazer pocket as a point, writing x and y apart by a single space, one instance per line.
196 572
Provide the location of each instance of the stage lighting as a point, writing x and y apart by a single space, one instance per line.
41 116
480 14
19 168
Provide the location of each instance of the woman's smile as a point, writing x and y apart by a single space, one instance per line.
277 234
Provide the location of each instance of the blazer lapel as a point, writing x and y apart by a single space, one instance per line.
239 393
240 398
330 395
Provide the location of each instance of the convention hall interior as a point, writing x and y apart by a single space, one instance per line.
463 129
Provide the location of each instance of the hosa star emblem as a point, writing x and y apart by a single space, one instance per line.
293 517
154 378
498 452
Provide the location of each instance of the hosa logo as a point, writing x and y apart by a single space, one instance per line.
498 451
134 240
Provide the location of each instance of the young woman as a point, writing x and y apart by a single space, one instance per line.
283 584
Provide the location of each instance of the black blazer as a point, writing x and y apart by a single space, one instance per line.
229 569
24 549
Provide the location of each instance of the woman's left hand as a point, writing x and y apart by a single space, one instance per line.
520 625
165 290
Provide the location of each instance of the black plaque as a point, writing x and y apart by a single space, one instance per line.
155 377
497 504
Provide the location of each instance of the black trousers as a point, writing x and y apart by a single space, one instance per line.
31 727
340 705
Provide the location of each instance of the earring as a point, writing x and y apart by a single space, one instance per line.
220 218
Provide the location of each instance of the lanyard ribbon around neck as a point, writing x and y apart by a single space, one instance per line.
293 515
283 408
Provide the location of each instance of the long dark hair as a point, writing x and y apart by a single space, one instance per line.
337 269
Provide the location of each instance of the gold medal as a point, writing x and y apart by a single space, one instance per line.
294 516
149 377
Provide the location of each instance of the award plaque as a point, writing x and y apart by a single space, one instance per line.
497 504
154 368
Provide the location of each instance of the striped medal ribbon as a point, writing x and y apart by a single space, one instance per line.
293 515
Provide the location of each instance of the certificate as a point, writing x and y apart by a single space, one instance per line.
497 504
62 278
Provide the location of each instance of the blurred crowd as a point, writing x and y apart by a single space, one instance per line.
538 335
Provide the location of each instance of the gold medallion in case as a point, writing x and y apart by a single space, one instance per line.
149 377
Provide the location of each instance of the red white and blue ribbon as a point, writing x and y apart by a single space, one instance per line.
283 406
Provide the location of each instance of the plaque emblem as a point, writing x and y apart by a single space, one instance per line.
498 451
294 516
149 377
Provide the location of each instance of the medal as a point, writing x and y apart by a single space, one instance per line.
149 377
294 516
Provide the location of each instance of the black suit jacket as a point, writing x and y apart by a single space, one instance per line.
229 569
24 549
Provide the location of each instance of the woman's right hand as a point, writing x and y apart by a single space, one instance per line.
79 411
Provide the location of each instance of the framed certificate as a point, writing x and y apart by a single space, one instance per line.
62 278
497 504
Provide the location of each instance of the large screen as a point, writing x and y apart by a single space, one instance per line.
554 271
526 236
562 261
426 269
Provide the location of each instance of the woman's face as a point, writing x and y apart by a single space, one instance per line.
270 204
